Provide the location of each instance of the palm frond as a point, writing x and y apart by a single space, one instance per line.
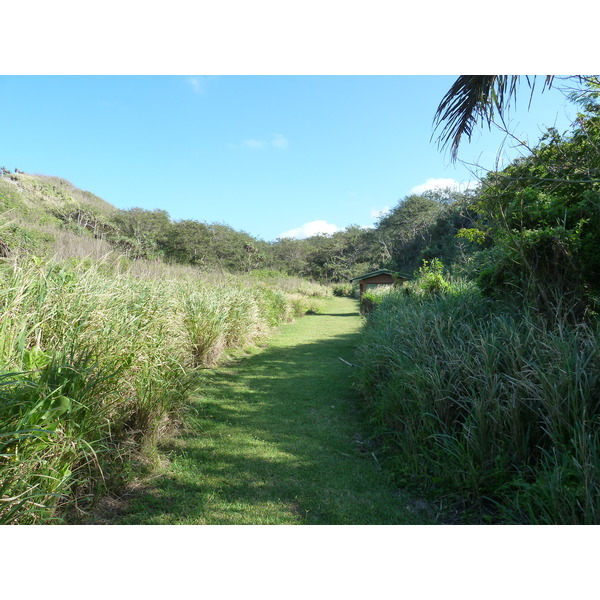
474 98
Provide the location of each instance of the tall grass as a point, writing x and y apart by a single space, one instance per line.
288 283
497 409
95 363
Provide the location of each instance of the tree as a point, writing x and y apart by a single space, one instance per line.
542 215
422 227
141 231
234 250
188 242
341 255
290 256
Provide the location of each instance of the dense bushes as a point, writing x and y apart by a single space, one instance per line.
96 365
541 216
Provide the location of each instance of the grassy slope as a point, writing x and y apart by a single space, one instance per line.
276 439
29 209
31 195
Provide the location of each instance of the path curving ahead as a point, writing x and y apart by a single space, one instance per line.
277 439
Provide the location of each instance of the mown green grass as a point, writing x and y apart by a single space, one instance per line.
275 437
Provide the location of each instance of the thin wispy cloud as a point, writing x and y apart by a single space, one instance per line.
198 84
278 141
310 229
253 144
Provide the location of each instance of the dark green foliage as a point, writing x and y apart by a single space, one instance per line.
423 227
406 229
289 255
328 258
542 216
141 232
235 250
186 242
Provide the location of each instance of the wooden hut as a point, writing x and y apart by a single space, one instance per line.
379 278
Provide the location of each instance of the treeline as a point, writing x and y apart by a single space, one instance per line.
420 227
152 235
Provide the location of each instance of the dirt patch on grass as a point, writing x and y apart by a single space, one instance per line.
110 508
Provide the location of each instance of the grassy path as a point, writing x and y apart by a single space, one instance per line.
276 440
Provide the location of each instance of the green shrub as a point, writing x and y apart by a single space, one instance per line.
16 239
430 278
372 298
346 290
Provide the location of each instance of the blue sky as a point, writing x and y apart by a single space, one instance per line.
270 155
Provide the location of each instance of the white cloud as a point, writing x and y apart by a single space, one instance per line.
253 144
197 84
376 213
279 141
441 184
310 229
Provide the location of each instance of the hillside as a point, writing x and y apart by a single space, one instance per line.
38 211
48 193
44 198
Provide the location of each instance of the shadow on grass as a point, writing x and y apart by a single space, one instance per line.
275 437
325 314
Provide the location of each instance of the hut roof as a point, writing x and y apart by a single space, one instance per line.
379 272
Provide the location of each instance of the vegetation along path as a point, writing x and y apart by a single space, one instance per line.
276 439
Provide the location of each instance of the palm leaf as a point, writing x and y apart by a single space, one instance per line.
474 98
